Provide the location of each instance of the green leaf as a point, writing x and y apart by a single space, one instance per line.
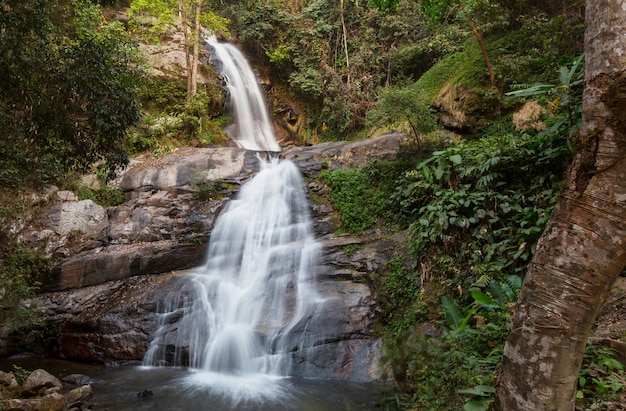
482 390
439 172
483 299
476 405
533 90
451 311
456 159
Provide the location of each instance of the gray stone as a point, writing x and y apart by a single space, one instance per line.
8 380
84 217
66 196
79 396
38 382
77 379
341 154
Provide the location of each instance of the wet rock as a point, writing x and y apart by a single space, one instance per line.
118 262
78 397
38 382
53 402
77 379
145 394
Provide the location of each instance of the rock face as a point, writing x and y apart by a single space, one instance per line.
101 299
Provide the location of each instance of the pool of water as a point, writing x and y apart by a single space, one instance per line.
118 388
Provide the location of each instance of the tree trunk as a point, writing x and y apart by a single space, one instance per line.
193 72
483 49
481 42
345 40
583 249
184 21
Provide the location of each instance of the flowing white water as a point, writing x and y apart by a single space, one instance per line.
253 129
239 319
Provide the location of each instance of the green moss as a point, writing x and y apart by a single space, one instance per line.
466 66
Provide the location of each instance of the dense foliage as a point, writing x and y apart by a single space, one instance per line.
19 278
474 204
67 90
334 57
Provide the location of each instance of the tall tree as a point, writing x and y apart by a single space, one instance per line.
189 12
583 249
68 82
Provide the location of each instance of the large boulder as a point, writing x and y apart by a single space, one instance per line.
38 382
340 154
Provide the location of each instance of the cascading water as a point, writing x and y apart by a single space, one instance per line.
253 129
240 317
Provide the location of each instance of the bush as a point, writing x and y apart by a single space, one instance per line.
362 196
474 227
19 280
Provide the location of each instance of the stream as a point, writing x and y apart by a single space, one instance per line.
117 388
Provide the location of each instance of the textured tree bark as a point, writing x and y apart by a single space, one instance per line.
583 249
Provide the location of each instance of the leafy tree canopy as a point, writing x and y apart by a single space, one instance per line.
67 90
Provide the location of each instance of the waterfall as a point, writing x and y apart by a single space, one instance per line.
253 128
245 311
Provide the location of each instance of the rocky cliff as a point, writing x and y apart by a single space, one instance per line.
114 265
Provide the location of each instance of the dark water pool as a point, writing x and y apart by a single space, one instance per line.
176 389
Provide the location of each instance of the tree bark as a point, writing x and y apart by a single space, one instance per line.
193 81
583 249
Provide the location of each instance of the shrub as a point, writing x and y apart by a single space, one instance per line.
19 279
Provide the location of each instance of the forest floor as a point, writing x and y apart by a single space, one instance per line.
611 322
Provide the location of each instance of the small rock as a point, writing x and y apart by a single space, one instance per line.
7 379
77 379
79 396
145 393
66 196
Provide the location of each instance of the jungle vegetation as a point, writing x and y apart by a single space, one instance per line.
474 192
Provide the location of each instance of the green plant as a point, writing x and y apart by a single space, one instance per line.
214 189
20 374
19 279
69 96
481 397
397 105
474 226
105 195
467 194
567 95
601 378
362 195
352 249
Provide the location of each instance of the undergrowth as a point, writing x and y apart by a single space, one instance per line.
362 196
477 209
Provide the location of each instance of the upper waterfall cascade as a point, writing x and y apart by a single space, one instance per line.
253 128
